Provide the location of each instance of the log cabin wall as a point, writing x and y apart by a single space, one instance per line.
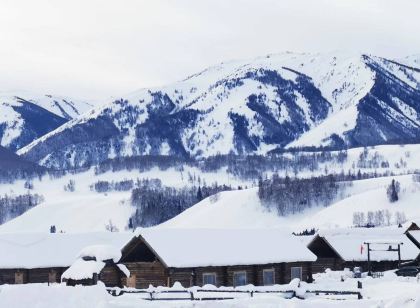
321 264
144 274
35 275
219 271
7 276
111 276
306 270
44 275
184 276
251 275
278 273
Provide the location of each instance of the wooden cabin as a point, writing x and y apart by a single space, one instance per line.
345 248
96 262
44 257
196 257
158 257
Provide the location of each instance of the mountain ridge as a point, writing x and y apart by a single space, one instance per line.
26 116
248 107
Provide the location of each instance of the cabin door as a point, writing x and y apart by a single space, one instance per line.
131 281
52 276
18 278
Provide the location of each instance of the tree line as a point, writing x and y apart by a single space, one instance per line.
156 203
293 195
378 218
14 206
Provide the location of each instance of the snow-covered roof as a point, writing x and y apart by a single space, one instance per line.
221 247
82 269
41 250
102 252
348 242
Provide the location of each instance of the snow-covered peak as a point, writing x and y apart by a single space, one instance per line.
26 116
61 106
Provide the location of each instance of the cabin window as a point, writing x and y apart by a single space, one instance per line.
268 277
239 279
209 278
296 272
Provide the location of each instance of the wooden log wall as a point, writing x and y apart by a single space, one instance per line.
111 276
145 274
321 264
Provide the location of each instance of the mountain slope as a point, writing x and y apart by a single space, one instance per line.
248 107
12 166
243 209
23 120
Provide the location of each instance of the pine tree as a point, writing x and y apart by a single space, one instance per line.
393 191
199 194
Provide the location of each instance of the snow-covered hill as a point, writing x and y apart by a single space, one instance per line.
246 107
86 210
25 117
243 209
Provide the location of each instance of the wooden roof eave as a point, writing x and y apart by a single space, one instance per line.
318 237
134 242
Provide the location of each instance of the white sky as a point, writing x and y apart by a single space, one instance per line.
98 48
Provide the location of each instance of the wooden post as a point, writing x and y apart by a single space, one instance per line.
399 256
369 265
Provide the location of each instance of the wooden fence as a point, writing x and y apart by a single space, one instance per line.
193 295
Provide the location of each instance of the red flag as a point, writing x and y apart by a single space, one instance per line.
361 249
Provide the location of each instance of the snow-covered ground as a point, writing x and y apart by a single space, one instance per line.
85 210
389 291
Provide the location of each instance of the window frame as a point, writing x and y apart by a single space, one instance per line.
210 274
274 276
237 273
300 269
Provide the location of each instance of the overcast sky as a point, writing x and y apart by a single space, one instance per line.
98 48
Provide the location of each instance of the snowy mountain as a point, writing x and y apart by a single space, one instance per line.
248 107
27 116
